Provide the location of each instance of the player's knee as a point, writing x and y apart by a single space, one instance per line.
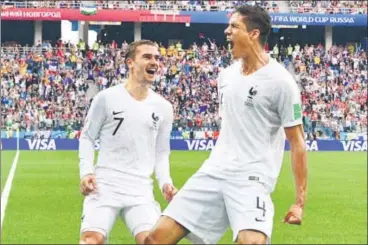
139 238
92 238
251 240
166 231
251 237
151 238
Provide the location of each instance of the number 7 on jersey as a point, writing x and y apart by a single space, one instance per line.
120 119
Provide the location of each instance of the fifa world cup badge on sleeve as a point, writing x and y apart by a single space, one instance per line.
297 111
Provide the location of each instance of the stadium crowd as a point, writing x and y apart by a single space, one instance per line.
45 87
189 5
306 6
329 7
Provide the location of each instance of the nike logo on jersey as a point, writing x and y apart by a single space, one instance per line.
117 112
223 86
259 220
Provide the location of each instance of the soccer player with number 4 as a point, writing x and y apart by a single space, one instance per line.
133 125
259 104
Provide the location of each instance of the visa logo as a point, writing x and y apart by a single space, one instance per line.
200 145
354 145
41 144
311 145
207 145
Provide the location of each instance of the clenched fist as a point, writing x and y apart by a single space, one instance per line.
294 216
88 184
169 191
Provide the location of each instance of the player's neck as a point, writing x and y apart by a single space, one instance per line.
137 90
255 61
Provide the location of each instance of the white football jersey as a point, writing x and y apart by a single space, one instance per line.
254 110
134 140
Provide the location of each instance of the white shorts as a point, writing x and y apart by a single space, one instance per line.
206 206
101 209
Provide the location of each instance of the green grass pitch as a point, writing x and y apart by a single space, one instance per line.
45 205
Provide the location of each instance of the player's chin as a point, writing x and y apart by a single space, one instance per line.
234 55
150 78
150 81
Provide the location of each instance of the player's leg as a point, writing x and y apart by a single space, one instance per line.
250 211
252 237
92 237
139 238
166 231
198 210
97 219
141 218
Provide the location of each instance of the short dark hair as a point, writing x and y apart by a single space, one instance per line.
256 17
132 48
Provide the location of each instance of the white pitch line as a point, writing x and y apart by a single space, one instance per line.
7 188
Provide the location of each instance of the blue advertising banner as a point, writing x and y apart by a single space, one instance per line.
58 134
286 18
185 145
319 19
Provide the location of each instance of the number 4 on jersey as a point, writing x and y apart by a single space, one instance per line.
263 208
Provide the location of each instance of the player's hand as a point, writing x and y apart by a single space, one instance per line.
294 216
88 184
169 191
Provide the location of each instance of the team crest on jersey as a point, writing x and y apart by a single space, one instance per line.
155 121
252 92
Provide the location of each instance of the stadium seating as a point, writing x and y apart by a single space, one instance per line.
147 5
329 7
306 6
44 88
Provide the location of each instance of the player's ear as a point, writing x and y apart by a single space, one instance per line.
129 63
254 35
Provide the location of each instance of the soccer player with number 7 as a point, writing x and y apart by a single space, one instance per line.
133 125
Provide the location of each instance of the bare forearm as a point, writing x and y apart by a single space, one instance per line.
300 170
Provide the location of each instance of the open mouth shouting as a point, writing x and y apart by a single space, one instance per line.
151 71
230 42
